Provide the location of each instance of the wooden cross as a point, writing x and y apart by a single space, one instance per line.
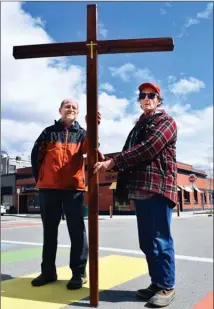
91 48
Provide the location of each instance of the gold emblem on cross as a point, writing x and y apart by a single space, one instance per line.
91 45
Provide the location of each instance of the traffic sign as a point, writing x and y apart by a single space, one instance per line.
18 191
192 178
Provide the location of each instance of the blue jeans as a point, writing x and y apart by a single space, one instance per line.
155 239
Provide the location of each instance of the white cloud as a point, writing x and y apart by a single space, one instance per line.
205 14
144 75
111 107
192 21
103 32
128 71
33 89
107 87
162 11
171 79
185 86
123 72
195 133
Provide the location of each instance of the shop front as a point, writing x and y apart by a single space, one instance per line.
29 199
8 191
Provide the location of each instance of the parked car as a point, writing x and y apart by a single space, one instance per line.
3 210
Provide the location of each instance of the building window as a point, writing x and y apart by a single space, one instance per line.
12 169
205 197
211 197
195 197
186 197
7 200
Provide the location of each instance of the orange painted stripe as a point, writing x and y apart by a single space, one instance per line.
206 302
19 225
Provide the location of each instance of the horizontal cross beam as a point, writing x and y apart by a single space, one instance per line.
102 47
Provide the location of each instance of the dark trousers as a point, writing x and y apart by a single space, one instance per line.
51 204
155 239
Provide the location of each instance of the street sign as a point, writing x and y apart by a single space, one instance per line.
192 178
18 191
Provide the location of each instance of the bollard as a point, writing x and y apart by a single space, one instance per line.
110 211
178 209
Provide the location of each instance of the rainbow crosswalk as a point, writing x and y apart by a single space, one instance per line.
113 270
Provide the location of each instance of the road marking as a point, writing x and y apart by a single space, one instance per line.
24 224
25 254
114 270
118 250
18 225
206 302
16 221
5 245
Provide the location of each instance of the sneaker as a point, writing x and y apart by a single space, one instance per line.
42 280
162 298
76 282
146 294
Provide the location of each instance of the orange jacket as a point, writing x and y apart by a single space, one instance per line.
57 157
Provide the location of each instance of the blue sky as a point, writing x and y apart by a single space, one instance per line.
185 75
66 22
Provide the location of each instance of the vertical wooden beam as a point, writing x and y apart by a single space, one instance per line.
92 131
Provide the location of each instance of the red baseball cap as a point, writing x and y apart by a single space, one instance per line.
152 85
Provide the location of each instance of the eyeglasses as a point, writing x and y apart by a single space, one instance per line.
150 96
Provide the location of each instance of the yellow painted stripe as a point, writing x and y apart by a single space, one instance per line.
113 270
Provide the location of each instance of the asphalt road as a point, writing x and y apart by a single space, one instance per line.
122 266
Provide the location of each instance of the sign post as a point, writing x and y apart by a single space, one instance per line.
178 209
18 192
192 180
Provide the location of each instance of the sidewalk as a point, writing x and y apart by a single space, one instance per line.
186 214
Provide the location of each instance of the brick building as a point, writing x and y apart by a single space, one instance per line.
198 198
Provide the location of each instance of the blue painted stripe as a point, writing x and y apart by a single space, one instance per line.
5 245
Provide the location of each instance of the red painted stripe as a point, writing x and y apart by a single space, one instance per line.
206 302
20 224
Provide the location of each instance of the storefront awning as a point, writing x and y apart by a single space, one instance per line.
198 190
188 189
113 186
178 189
182 187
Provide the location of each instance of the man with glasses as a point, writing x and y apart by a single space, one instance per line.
59 171
147 175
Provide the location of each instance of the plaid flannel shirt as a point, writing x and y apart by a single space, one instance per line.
157 155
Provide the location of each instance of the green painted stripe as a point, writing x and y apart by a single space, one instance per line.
25 254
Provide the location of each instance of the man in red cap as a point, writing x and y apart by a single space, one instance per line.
59 172
147 174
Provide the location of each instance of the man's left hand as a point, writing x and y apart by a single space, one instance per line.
103 166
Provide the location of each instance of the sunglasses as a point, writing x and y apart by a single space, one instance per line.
150 96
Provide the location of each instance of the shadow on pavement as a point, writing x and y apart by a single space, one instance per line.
6 277
57 293
113 296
